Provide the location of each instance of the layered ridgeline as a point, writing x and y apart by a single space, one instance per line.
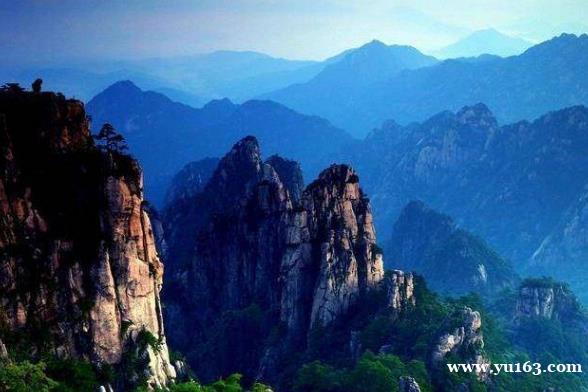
79 273
504 183
547 76
177 134
452 260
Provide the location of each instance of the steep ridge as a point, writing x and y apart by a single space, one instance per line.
452 260
79 273
178 134
295 265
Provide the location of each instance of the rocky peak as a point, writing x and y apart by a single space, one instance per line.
302 265
399 288
462 335
191 180
342 224
548 299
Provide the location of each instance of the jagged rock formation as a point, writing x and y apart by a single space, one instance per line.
399 287
463 336
79 272
408 384
452 260
249 250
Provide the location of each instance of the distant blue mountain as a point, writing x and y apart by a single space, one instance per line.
333 91
545 77
165 135
481 42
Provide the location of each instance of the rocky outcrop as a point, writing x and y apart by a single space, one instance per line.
255 250
399 287
463 336
547 299
77 252
452 260
408 384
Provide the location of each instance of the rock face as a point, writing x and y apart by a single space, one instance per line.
452 260
408 384
295 265
547 299
399 288
464 336
77 252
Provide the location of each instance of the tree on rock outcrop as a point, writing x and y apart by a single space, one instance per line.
110 140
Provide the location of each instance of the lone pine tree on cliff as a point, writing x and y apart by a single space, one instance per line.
110 139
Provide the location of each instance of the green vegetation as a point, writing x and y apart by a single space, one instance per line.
233 383
24 377
372 373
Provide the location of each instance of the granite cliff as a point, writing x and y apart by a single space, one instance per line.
79 273
259 253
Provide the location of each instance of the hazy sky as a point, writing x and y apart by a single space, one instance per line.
48 30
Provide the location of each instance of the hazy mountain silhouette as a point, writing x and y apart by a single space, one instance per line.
489 41
332 93
546 77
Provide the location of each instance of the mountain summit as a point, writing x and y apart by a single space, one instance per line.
489 41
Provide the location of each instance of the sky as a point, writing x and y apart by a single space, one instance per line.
51 31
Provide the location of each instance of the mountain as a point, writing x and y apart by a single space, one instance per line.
481 42
546 77
264 285
176 134
332 91
502 183
272 255
79 273
453 261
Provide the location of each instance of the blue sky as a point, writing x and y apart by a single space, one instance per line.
58 31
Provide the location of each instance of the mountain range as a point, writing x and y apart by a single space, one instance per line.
545 77
503 183
269 280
